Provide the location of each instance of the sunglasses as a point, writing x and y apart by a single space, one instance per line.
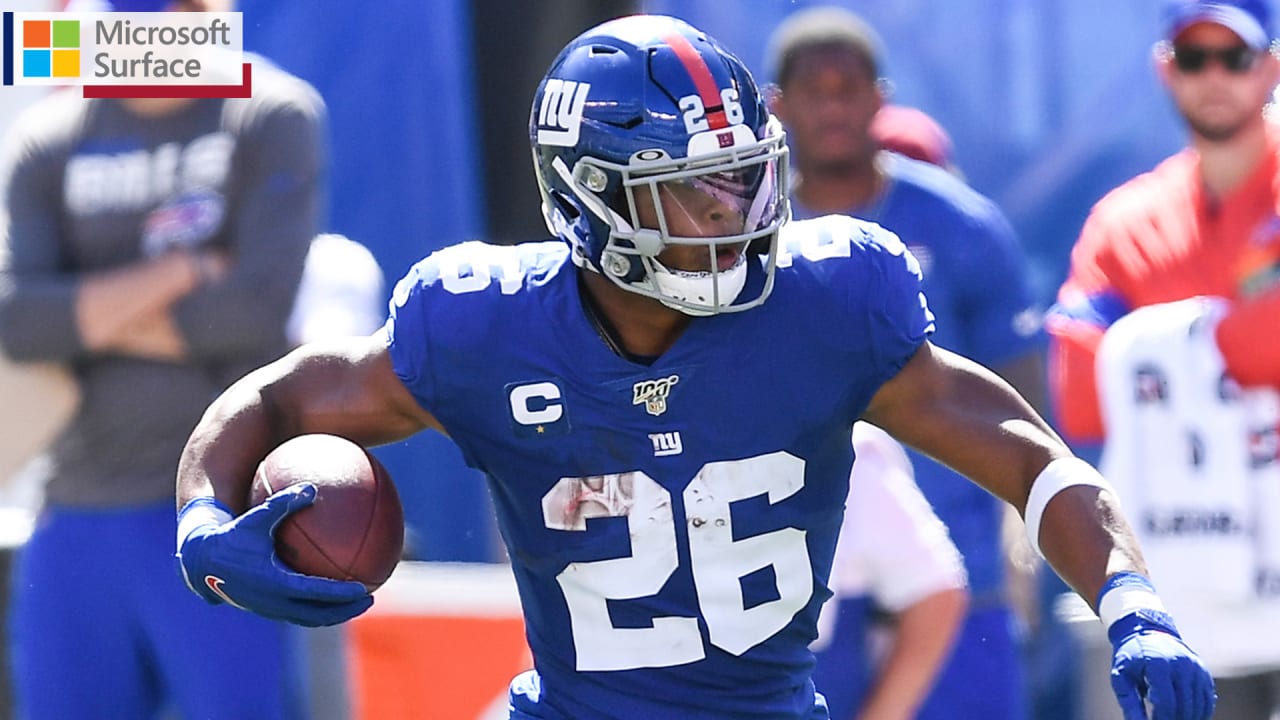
1194 58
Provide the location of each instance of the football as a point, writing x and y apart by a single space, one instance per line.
355 528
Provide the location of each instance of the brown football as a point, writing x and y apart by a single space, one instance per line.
355 528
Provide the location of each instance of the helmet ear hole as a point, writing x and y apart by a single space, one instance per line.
565 205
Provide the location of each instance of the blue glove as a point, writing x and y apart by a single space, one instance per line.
233 560
1151 663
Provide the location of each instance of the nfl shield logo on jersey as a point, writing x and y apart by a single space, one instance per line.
653 393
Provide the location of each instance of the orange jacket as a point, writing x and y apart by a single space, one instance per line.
1160 238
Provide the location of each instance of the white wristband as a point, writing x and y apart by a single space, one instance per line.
199 513
1126 598
1056 477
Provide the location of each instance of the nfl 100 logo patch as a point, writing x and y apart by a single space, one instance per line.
653 394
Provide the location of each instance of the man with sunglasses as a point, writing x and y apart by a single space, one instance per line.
1202 223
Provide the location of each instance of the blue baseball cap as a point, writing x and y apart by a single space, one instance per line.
1250 19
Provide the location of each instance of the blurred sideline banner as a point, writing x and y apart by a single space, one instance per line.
443 640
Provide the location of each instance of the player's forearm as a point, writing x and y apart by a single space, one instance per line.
922 642
966 417
232 437
1086 539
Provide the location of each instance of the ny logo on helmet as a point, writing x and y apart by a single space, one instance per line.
560 115
653 393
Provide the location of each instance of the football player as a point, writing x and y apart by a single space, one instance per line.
661 398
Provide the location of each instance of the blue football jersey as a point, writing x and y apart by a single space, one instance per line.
670 526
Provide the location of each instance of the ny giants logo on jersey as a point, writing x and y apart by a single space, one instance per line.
666 443
653 394
560 114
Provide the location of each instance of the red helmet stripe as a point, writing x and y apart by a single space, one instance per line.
702 79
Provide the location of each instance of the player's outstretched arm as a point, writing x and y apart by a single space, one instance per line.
968 418
345 387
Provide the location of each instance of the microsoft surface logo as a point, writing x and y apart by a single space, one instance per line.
127 54
51 48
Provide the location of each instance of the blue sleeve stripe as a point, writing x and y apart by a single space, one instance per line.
1097 309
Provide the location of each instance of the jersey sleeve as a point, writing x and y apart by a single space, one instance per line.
452 307
407 328
892 545
899 320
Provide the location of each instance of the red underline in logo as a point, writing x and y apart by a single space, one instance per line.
243 90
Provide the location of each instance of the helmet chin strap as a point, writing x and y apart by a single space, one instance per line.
685 290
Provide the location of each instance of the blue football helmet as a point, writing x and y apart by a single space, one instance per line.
647 117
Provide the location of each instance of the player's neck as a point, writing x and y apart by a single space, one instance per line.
837 189
1224 164
634 326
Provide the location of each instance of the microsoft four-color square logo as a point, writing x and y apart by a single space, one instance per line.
51 48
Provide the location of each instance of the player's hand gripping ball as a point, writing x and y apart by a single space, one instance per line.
355 528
